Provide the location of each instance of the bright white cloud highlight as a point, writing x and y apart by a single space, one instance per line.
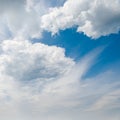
29 18
94 18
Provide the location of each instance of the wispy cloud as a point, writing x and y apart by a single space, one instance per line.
35 84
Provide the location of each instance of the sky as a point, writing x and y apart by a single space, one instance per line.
59 59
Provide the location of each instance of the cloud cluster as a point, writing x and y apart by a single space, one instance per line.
23 18
92 17
26 61
29 18
39 82
25 69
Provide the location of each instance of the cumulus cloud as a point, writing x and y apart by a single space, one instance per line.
38 81
26 61
92 17
26 69
29 18
23 18
35 84
33 76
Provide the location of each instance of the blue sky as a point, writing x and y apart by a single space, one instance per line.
76 45
59 59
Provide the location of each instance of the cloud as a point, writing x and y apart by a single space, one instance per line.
35 84
92 17
21 18
26 61
25 70
38 81
29 18
107 94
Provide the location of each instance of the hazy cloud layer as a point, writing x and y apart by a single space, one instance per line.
38 82
21 18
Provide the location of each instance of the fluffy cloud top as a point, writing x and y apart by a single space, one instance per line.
94 18
29 18
21 18
26 61
39 82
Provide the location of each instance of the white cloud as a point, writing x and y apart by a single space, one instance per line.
35 84
108 101
38 81
25 69
92 17
25 61
21 18
28 18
